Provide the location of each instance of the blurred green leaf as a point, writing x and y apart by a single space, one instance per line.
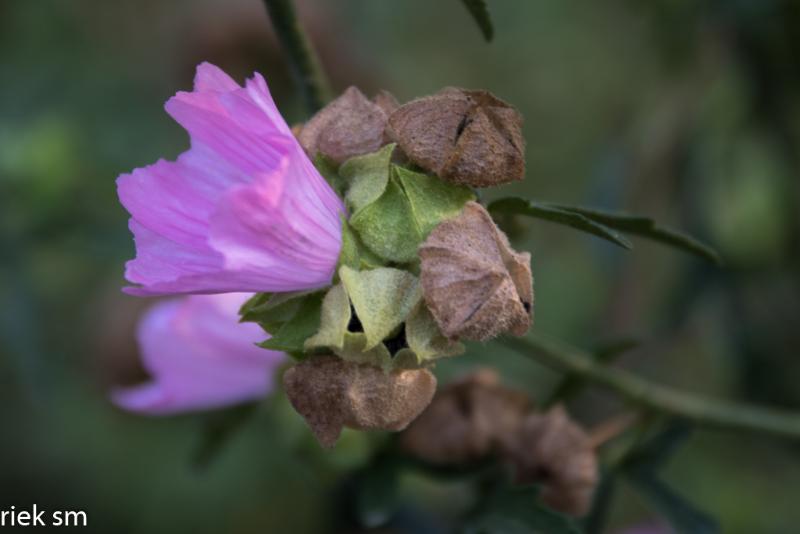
521 206
218 430
684 517
480 12
376 494
645 227
641 468
595 521
518 511
572 384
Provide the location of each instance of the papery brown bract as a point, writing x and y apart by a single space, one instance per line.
475 285
331 393
351 125
554 452
466 421
465 137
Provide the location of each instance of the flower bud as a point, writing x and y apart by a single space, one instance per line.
466 421
331 393
349 126
554 452
466 137
475 285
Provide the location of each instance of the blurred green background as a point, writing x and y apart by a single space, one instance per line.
686 110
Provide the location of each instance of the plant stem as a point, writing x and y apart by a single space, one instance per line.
303 61
703 411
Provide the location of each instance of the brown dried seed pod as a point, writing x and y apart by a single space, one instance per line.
553 451
386 101
466 421
331 393
466 137
474 283
349 126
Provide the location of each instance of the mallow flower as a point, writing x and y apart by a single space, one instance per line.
199 356
243 210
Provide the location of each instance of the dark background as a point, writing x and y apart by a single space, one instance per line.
685 110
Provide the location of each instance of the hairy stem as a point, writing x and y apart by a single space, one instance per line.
303 61
701 410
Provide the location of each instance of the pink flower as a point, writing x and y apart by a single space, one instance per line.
200 357
243 210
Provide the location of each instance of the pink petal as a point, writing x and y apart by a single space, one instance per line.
196 220
200 357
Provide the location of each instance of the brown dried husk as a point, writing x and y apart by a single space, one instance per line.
475 285
331 393
467 421
465 137
553 451
351 125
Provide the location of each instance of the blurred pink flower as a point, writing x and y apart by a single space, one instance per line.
199 356
243 209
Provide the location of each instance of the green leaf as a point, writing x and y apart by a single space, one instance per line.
328 169
432 199
480 12
387 227
684 517
292 334
520 206
518 511
645 227
382 298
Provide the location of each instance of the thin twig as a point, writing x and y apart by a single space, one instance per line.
303 61
703 411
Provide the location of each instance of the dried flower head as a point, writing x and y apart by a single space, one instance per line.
553 451
466 137
349 126
474 283
331 393
466 421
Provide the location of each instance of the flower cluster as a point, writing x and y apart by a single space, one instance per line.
355 239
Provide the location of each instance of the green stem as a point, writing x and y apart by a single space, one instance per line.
703 411
303 61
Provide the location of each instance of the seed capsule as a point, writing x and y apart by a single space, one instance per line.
467 421
331 393
553 451
475 285
349 126
466 137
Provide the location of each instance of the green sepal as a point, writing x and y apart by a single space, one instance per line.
328 169
353 253
393 208
290 336
382 298
432 199
387 225
425 340
390 300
